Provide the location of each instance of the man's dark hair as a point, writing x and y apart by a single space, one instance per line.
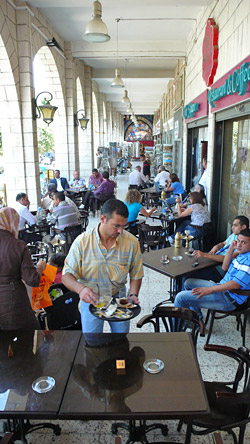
142 155
245 232
60 195
105 174
52 187
57 170
95 170
20 196
243 220
114 206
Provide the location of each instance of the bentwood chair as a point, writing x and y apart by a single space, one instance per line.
172 319
241 314
71 234
151 236
228 401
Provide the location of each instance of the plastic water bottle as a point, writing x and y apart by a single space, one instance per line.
39 214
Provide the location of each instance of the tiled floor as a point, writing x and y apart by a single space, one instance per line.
154 289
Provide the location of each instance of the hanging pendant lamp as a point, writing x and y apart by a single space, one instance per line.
117 81
125 99
96 31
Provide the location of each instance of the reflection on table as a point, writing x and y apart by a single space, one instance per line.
96 391
24 357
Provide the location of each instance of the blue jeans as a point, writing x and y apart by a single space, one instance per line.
91 324
216 301
171 200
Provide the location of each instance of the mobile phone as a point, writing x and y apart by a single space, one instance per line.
195 264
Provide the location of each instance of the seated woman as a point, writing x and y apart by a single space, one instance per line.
174 187
133 203
199 216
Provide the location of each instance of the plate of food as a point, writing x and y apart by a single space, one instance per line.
115 313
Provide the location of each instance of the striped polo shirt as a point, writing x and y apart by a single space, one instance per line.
64 215
91 264
239 271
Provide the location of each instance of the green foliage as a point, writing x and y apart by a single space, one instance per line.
45 141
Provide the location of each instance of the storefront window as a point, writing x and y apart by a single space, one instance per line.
235 198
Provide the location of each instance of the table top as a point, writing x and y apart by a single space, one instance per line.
77 190
34 354
174 268
96 391
149 190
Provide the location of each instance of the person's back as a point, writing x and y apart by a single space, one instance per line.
66 215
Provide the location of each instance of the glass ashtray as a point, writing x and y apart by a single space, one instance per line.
177 258
153 366
43 384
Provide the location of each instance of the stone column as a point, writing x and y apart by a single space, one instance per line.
86 148
72 133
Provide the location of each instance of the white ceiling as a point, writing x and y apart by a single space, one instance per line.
151 47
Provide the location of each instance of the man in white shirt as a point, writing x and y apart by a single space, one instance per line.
162 176
77 181
22 207
204 178
137 177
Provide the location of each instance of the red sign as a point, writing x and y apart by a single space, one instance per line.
210 52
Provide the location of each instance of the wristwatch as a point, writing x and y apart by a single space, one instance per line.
133 294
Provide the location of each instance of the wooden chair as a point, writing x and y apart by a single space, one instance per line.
228 401
151 236
172 319
71 234
241 314
153 199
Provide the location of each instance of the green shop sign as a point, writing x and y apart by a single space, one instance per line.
235 83
190 109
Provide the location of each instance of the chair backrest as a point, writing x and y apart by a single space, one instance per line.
241 382
38 250
207 236
153 236
172 319
64 313
71 234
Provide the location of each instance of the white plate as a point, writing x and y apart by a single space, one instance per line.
189 254
153 366
165 262
177 258
43 384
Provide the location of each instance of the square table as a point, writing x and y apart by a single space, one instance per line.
96 390
27 355
175 269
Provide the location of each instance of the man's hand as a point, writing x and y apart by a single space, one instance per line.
214 250
87 295
201 291
233 245
134 299
198 253
178 200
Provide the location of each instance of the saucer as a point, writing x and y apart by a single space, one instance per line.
153 366
165 262
177 258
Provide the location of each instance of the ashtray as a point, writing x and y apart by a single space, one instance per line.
164 262
153 366
177 258
43 384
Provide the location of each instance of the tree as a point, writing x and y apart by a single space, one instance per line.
45 141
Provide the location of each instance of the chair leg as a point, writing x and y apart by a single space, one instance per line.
188 433
243 329
241 434
210 326
207 317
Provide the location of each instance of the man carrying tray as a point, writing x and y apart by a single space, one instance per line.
104 256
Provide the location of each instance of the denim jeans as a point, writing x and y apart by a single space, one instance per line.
186 299
91 324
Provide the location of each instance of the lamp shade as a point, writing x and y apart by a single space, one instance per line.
83 122
96 31
125 99
117 82
48 112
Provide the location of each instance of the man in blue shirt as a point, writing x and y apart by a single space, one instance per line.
219 251
200 294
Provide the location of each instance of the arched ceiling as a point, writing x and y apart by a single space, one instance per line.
151 47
